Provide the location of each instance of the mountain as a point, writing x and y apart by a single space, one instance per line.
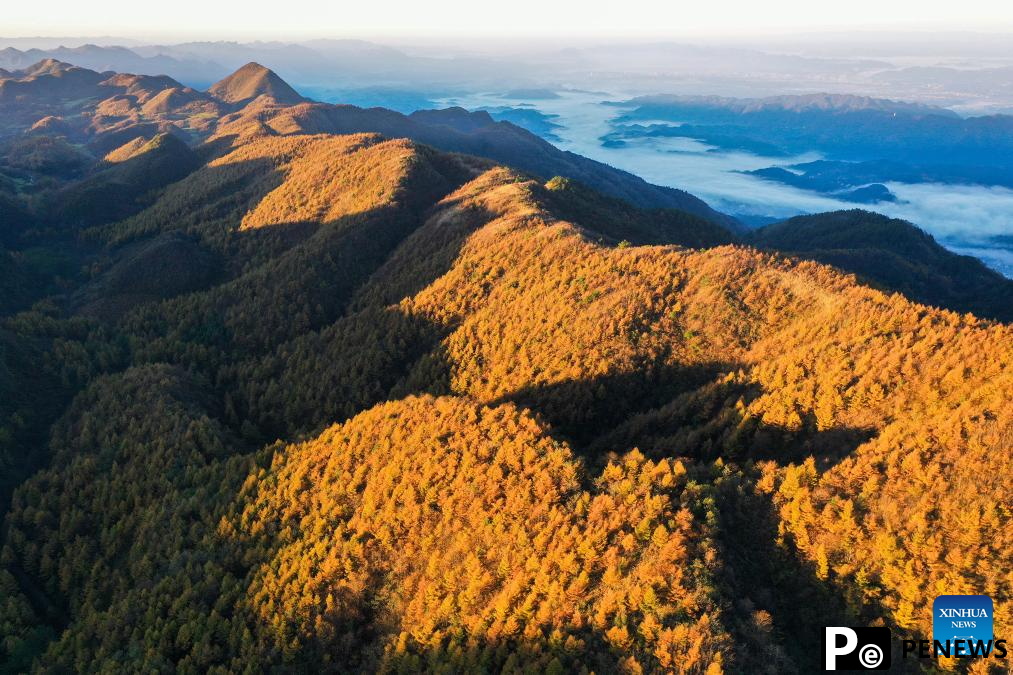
313 63
49 81
457 130
41 42
796 103
167 106
894 254
347 402
113 58
905 140
251 81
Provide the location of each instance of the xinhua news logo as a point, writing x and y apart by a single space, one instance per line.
963 623
856 648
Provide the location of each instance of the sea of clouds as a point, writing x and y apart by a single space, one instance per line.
962 217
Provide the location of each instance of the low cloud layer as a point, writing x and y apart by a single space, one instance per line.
968 214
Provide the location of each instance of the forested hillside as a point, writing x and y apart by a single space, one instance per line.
895 255
348 403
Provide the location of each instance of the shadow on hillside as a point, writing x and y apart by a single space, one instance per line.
207 213
207 201
427 254
582 411
115 191
330 375
711 422
593 654
779 606
133 207
609 219
679 410
280 281
362 349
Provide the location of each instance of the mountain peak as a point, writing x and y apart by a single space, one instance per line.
48 66
251 81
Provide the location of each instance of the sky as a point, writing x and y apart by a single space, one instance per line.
297 19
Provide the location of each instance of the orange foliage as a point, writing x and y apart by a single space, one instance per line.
471 524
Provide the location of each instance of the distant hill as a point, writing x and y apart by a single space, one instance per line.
251 81
894 254
324 62
894 140
619 221
49 81
798 103
118 59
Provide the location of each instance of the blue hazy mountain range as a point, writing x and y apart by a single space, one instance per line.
527 117
867 140
763 174
871 141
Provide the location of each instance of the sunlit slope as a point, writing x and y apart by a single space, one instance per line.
310 220
463 535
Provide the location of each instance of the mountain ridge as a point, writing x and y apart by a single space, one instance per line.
823 102
472 133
